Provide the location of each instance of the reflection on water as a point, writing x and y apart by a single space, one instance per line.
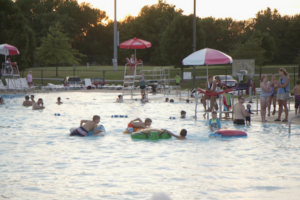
39 161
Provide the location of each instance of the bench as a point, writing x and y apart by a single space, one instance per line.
241 86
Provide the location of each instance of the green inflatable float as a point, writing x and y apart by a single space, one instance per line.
153 135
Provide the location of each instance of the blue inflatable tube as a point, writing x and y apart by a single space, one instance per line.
91 133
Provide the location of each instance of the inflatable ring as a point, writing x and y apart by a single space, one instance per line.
153 135
90 133
228 133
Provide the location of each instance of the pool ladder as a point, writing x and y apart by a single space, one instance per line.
291 122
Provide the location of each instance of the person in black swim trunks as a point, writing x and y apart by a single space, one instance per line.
143 85
240 112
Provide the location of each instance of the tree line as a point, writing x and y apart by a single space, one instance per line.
270 38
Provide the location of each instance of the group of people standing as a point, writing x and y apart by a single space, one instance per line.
277 91
271 92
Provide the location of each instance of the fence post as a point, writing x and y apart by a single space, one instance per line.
103 75
294 76
74 71
42 77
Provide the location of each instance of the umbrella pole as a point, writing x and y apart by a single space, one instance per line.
207 72
135 53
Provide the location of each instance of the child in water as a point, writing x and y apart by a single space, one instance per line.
120 99
182 114
214 122
138 123
181 136
248 110
83 130
58 101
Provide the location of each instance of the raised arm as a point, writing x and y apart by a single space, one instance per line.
176 136
137 119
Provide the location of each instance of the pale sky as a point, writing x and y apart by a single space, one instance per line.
236 9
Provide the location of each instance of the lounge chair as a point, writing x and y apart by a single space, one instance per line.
2 87
88 83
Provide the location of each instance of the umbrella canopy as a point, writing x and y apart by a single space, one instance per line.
7 49
207 57
135 43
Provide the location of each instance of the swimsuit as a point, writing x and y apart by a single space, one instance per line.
297 101
80 132
239 121
215 123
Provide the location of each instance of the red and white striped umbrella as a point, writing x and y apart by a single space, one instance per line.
7 49
135 43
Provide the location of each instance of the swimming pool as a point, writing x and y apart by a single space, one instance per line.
38 160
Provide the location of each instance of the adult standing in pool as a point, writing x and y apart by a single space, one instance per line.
273 96
264 96
283 94
240 112
39 105
143 85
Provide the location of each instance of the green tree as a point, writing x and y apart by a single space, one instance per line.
268 44
251 49
15 31
298 58
174 49
56 49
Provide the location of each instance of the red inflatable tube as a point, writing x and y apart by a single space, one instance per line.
230 133
214 94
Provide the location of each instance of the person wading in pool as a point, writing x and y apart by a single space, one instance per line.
143 85
240 112
27 102
264 96
210 87
38 105
58 101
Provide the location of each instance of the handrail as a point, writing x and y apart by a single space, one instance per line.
290 121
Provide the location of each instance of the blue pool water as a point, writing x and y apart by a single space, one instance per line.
38 160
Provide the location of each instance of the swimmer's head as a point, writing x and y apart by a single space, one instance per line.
183 132
298 82
27 97
188 101
96 119
32 96
40 100
167 100
214 115
58 98
182 113
148 121
1 100
171 101
119 96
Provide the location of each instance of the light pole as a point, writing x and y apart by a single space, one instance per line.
194 43
115 60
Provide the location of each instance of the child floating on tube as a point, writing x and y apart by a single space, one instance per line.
83 130
138 123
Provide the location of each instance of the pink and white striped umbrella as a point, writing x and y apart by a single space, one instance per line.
7 49
207 57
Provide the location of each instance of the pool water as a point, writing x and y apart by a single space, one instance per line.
38 160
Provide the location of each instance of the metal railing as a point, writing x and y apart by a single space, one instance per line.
291 122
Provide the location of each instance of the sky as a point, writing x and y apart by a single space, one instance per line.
236 9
